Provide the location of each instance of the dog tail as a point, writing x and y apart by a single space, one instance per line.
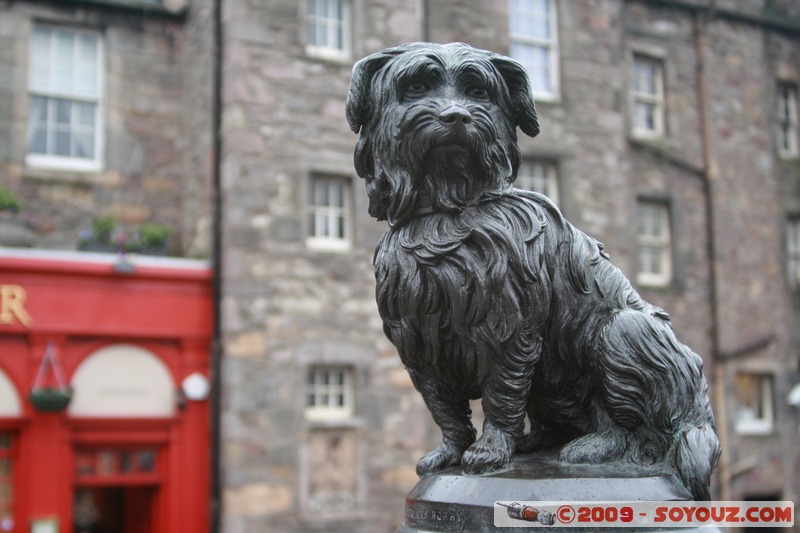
696 451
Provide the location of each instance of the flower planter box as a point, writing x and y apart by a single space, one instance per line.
92 246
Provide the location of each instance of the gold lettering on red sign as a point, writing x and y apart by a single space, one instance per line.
12 305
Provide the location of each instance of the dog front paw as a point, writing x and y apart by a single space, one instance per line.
445 455
493 451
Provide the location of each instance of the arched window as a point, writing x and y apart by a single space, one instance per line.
122 380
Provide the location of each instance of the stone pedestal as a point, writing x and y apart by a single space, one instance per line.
454 502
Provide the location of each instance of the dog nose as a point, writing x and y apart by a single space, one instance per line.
455 114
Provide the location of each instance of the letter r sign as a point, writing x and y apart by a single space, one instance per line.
12 305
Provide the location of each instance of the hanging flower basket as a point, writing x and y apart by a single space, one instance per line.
50 399
47 398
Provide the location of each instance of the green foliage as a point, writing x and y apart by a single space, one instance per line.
154 235
102 228
8 201
50 399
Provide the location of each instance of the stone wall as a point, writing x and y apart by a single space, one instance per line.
287 307
155 120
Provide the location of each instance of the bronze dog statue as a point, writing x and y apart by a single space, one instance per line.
488 292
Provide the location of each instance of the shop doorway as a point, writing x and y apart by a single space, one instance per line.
116 490
113 509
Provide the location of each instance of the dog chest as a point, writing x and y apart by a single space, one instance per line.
463 286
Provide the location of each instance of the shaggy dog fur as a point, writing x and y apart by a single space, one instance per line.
488 292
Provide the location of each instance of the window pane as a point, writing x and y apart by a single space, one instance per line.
64 64
325 24
536 60
125 462
322 34
37 125
793 252
63 53
39 63
540 27
331 395
747 397
328 214
84 463
539 67
788 128
63 110
62 143
339 38
84 113
647 92
146 460
105 462
653 262
645 116
84 145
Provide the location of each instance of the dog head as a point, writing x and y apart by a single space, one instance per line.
438 126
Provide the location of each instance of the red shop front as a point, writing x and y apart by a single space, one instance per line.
104 383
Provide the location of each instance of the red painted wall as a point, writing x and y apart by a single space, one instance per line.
79 304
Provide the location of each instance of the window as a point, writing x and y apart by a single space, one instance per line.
125 465
654 247
787 120
793 252
648 97
539 176
534 43
327 29
754 410
65 88
329 213
329 393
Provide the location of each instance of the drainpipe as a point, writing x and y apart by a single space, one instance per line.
708 176
422 19
216 263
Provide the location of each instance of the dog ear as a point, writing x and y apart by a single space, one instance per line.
519 89
357 106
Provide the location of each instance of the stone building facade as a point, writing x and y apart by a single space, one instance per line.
661 132
134 144
669 132
105 144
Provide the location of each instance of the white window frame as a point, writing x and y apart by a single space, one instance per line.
748 419
793 252
523 38
539 176
60 162
329 393
649 214
329 50
323 219
788 121
654 99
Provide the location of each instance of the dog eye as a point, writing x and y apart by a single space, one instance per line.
416 89
480 93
